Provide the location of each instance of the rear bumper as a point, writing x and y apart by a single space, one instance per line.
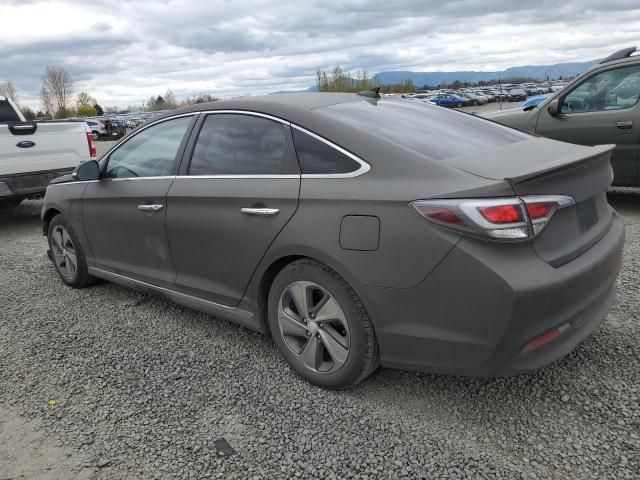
475 313
30 184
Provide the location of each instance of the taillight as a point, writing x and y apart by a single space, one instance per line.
439 213
516 218
501 213
92 145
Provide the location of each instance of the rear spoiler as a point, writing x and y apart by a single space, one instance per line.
564 163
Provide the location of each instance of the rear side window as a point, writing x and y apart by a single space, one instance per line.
7 113
236 144
316 157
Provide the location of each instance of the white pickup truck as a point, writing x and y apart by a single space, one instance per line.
34 153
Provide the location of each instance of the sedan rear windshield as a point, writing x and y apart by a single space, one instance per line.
432 131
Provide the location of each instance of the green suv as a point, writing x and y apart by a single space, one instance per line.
598 107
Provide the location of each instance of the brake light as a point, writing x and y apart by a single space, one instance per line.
540 209
92 145
516 218
501 213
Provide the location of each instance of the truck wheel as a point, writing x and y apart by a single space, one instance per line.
67 254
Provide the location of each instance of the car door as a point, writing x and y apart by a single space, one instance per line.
124 212
232 198
602 109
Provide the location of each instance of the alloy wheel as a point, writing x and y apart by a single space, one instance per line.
64 252
314 327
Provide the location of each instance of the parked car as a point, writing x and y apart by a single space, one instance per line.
487 93
33 153
116 128
97 128
532 102
477 257
596 108
517 95
473 98
450 100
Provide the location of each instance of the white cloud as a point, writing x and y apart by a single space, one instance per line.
124 52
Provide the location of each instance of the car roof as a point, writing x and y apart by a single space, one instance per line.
276 102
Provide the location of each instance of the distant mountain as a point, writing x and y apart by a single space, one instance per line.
539 72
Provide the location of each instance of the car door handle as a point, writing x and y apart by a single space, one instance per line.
267 212
150 208
625 125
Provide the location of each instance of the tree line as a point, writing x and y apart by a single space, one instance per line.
58 98
339 80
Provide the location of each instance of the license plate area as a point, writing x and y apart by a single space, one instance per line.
587 213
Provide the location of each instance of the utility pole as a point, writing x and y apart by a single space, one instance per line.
500 84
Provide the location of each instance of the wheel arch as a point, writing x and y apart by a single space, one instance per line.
46 219
258 292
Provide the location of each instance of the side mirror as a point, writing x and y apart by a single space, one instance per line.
554 107
88 170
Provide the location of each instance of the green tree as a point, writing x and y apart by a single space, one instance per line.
86 111
99 110
83 98
66 112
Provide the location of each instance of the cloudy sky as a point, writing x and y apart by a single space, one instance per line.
123 51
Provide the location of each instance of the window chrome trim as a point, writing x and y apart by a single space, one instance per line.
250 113
364 166
247 176
128 179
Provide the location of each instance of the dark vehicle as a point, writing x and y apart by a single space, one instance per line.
517 95
355 230
599 107
116 128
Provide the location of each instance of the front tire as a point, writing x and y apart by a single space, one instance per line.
68 257
321 327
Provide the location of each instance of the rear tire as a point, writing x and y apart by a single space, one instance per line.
66 252
321 327
459 105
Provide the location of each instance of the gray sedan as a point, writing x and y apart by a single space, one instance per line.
356 230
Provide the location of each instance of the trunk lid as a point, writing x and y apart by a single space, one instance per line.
545 167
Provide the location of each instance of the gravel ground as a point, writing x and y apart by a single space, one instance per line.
147 389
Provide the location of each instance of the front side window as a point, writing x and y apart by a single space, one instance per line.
616 89
150 153
237 144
